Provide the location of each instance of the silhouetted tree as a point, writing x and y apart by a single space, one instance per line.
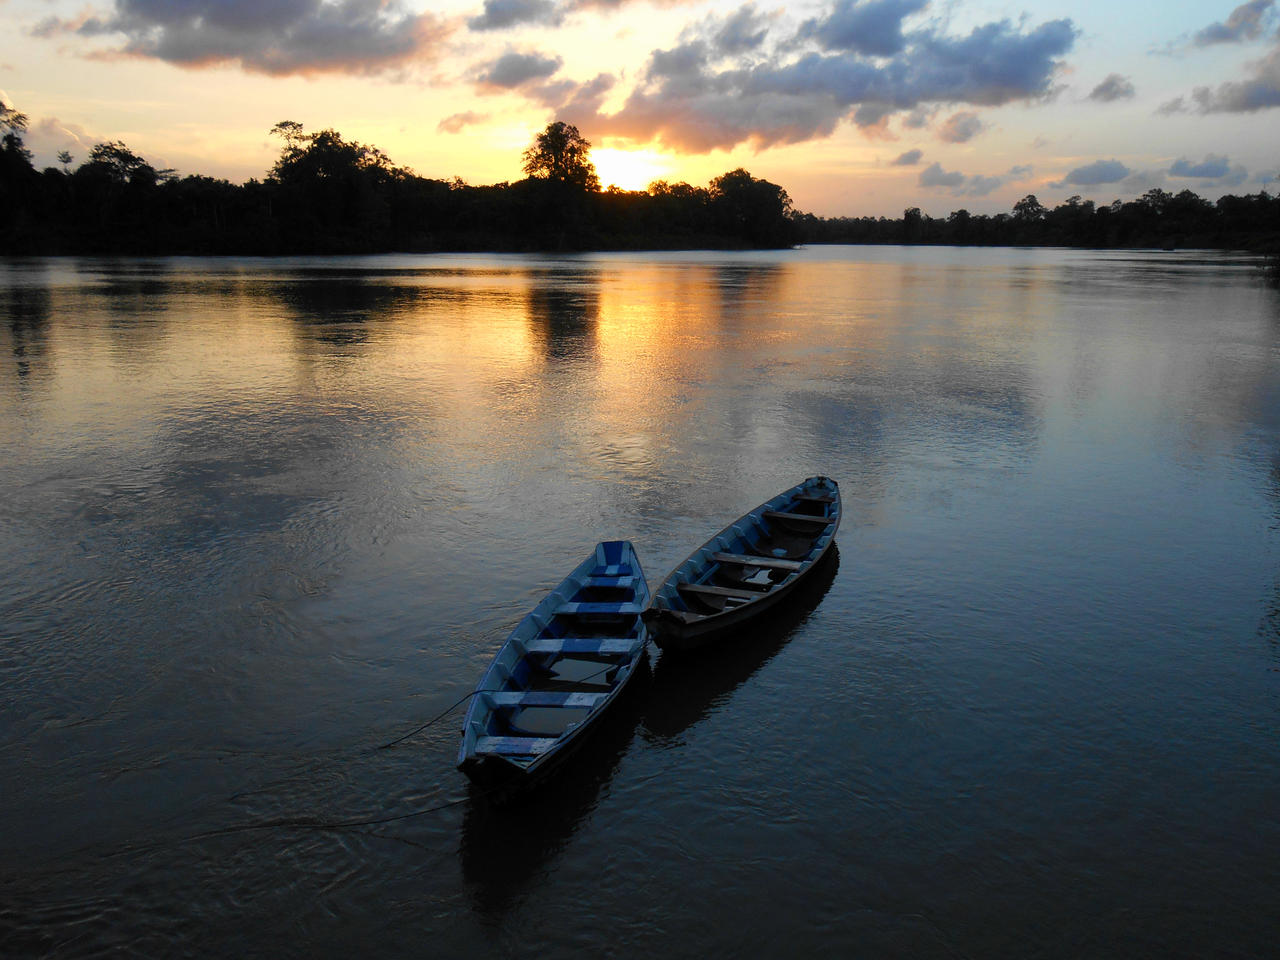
1028 209
330 192
18 212
755 210
560 153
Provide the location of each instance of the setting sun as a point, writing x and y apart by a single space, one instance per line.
629 169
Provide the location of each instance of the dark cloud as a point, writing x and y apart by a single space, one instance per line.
1211 167
514 69
1259 91
872 114
688 101
1245 23
977 185
1170 107
267 36
742 31
961 127
1095 174
456 123
934 176
583 102
500 14
1113 88
908 159
994 65
869 27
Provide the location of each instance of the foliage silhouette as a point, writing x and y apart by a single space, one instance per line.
561 154
325 194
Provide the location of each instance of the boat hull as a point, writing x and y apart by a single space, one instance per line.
558 672
678 622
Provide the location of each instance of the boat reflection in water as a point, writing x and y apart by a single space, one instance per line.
685 688
508 839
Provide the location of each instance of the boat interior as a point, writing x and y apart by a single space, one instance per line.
578 650
767 553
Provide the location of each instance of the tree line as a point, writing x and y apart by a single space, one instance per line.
327 194
1157 219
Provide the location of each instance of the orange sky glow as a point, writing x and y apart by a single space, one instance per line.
856 107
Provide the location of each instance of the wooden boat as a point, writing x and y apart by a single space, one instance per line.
558 671
749 567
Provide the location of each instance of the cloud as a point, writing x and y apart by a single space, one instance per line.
686 99
1113 88
1214 168
500 14
1095 174
908 159
1170 107
994 65
934 176
740 32
48 136
457 122
1245 23
918 118
1234 177
961 127
870 27
276 37
514 69
978 185
1259 91
1211 167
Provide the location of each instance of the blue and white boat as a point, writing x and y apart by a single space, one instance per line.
558 672
749 567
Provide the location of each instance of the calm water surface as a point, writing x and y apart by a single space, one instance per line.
258 517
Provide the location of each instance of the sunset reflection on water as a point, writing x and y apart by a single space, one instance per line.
262 516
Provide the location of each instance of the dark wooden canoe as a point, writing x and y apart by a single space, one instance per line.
749 567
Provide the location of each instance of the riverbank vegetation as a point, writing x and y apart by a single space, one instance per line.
326 194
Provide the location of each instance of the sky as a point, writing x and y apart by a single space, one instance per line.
855 107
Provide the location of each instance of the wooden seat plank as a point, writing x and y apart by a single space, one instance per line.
796 517
775 562
599 609
620 583
714 591
542 698
514 746
605 645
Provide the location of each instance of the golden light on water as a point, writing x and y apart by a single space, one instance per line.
629 169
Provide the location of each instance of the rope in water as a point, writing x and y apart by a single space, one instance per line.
312 823
440 716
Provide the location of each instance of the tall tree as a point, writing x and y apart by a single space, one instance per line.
14 124
560 153
757 211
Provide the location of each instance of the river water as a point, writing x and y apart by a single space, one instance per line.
260 517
